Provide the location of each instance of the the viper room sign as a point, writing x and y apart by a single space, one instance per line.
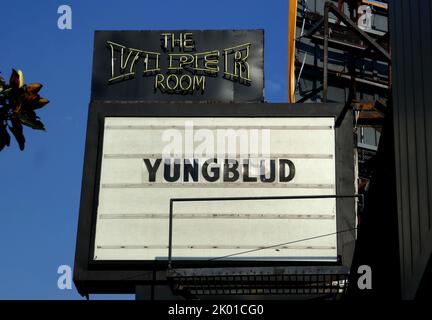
180 65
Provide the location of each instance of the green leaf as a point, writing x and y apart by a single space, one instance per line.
4 137
6 91
14 80
33 87
31 122
17 131
39 103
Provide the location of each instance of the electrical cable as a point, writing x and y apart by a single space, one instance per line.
258 249
305 9
283 244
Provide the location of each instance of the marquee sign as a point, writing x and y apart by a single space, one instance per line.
210 65
142 151
139 177
140 155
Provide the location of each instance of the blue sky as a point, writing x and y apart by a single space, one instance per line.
40 187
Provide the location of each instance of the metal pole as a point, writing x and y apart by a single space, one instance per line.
170 233
326 34
264 198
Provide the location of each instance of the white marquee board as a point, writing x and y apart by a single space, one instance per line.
132 215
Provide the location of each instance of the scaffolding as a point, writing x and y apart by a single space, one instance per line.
342 55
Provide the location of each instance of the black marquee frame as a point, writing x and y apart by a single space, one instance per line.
92 276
